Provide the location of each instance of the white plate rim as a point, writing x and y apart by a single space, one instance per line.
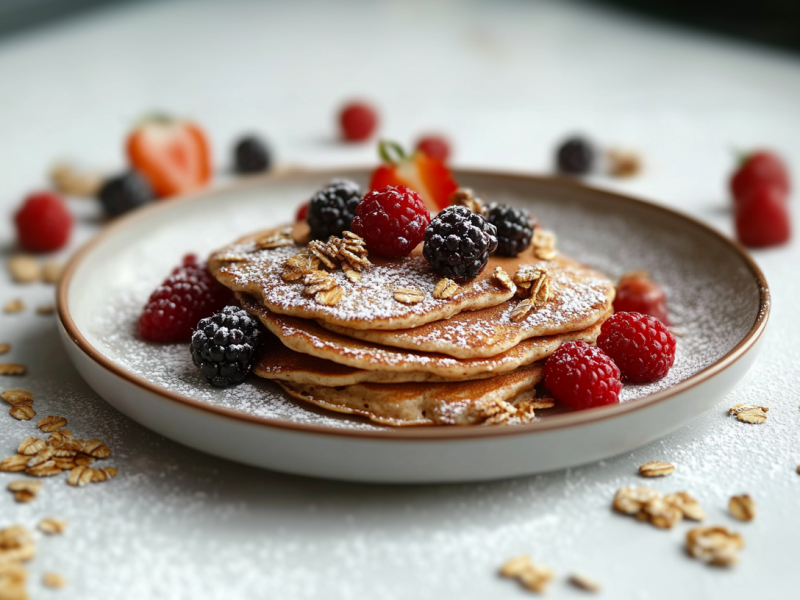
566 420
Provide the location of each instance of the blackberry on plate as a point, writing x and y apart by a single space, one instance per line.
458 243
225 346
332 209
126 192
514 228
575 156
252 155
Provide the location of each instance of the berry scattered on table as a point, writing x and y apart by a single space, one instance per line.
302 212
582 376
636 292
575 156
641 346
762 217
758 169
120 194
252 155
514 228
358 121
392 220
173 155
458 243
186 296
225 346
434 146
424 174
43 222
331 209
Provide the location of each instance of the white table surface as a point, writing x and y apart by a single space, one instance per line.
505 80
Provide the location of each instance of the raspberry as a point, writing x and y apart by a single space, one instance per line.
642 347
636 292
225 345
458 243
514 228
302 213
126 192
575 156
44 223
391 220
757 169
186 296
434 146
358 121
582 376
762 217
252 155
331 209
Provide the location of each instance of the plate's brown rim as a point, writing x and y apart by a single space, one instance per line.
417 433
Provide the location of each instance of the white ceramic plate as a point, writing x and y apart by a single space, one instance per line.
717 296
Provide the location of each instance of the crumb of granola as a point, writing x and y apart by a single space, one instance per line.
14 306
742 507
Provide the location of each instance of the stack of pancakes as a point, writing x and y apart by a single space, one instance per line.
391 340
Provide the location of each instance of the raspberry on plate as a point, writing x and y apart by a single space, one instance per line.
391 220
44 223
758 169
331 209
458 243
302 213
762 217
582 376
225 346
642 347
434 146
636 292
358 121
186 296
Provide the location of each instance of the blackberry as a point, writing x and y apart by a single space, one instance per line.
225 345
252 155
458 243
514 228
575 156
332 209
126 192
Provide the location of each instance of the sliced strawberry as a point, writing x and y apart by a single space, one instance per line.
173 155
422 173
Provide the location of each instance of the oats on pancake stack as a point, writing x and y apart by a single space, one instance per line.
391 340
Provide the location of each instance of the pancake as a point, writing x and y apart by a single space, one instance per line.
581 297
371 302
506 399
308 337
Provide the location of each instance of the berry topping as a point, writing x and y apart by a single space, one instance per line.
458 243
575 156
582 376
302 212
358 121
762 217
331 209
642 347
514 228
758 169
434 146
392 221
225 345
422 173
43 223
126 192
186 296
174 156
252 155
636 292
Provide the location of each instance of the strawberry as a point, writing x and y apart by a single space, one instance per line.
762 217
424 174
173 155
757 169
